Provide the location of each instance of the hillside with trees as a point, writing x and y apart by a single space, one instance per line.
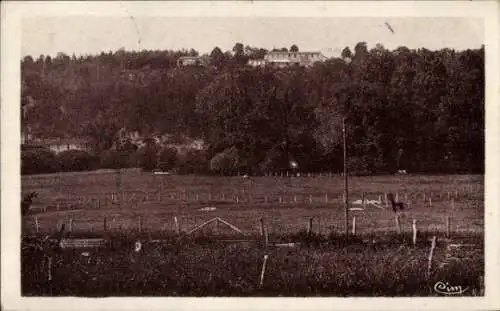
420 110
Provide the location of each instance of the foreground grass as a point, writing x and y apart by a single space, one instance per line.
204 266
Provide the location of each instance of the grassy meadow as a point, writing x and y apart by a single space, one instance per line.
133 205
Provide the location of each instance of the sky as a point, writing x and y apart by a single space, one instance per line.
93 34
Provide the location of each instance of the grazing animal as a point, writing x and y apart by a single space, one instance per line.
27 201
395 205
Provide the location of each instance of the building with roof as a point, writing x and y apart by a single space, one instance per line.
286 58
192 61
59 145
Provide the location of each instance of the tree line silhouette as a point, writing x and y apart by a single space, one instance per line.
412 109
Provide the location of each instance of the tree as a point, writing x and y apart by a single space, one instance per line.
167 158
294 48
346 53
217 58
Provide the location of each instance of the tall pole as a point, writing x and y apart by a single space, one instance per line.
346 191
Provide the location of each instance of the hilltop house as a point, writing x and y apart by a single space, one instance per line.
192 61
286 58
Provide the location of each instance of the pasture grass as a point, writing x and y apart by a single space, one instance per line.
210 266
377 262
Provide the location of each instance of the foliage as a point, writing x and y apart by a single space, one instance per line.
38 161
193 161
167 159
148 156
115 159
75 160
429 104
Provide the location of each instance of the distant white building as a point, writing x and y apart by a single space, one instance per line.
59 145
287 58
192 61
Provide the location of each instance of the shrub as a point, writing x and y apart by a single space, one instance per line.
115 159
193 161
225 162
38 161
167 158
147 157
75 160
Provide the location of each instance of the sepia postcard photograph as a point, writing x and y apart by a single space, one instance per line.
250 155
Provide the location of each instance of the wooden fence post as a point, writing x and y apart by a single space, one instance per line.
354 225
105 225
448 226
398 225
431 254
309 227
262 226
430 202
414 226
177 228
261 282
36 224
70 225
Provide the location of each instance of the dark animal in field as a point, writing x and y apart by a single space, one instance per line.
395 205
26 202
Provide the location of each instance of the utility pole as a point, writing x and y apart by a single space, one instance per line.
346 191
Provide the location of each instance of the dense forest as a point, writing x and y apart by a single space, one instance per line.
418 110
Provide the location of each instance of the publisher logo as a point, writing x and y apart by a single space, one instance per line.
444 288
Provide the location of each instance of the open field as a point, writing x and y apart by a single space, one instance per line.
378 261
286 204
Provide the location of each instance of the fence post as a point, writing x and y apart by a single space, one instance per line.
140 223
105 225
414 226
430 202
70 226
448 226
431 254
354 225
398 225
310 226
36 224
261 282
310 199
177 229
262 226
